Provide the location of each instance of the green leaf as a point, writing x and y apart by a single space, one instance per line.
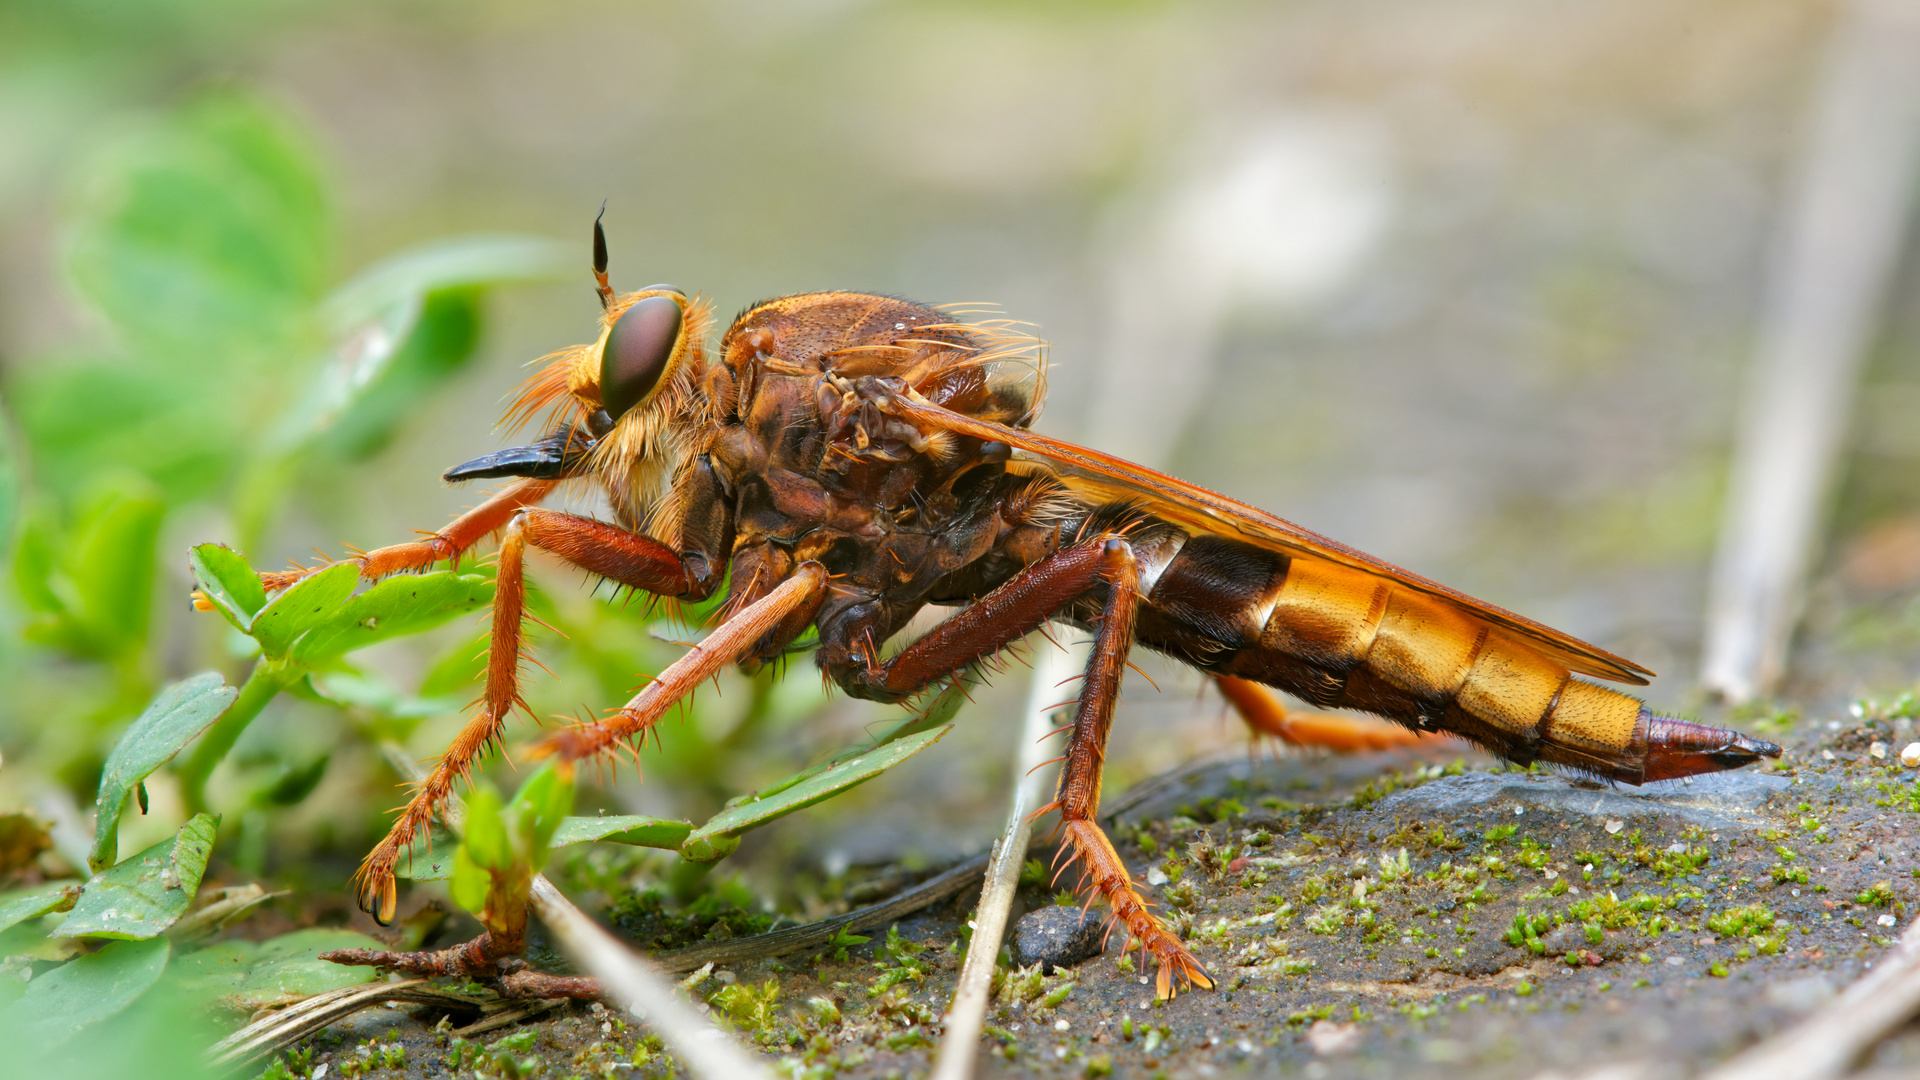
228 583
180 712
205 238
623 829
289 966
304 606
149 892
430 856
96 581
486 840
471 882
252 975
65 1001
942 709
380 398
721 835
445 264
23 904
400 605
536 811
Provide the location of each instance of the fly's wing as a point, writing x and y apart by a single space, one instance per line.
1104 478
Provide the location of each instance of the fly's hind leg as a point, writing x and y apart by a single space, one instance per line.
1267 717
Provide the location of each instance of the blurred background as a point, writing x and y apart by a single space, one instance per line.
1469 285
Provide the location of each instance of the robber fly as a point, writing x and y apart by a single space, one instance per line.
842 460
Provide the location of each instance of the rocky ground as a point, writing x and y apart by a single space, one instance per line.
1372 916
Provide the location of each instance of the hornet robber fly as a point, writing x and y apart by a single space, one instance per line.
840 460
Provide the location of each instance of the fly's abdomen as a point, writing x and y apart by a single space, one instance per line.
1344 638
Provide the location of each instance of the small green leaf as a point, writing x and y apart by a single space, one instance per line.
149 892
23 904
486 834
61 1003
228 583
470 883
444 264
430 856
289 967
623 829
406 604
939 711
303 607
95 581
536 811
180 712
721 835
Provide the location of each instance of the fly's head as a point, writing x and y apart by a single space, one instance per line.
625 409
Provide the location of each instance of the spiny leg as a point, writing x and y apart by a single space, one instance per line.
1265 715
460 534
732 639
1007 613
633 560
1078 796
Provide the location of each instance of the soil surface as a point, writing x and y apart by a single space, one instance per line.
1365 916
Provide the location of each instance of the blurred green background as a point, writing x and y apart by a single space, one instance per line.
1468 285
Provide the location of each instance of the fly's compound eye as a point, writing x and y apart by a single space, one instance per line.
637 351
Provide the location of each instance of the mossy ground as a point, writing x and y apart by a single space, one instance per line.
1362 917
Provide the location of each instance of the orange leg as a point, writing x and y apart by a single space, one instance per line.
1078 796
1342 734
800 593
635 561
460 534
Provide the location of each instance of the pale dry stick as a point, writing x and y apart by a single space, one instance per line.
1827 1043
1053 665
282 1029
625 977
704 1049
1839 249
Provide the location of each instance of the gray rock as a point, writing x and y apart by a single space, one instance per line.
1057 937
1716 800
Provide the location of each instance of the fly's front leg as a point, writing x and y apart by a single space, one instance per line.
638 562
460 534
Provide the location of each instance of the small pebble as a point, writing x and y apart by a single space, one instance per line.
1156 876
1885 920
1056 937
1878 751
1329 1039
1614 825
1061 1025
1910 757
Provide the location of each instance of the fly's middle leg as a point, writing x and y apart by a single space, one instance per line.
1007 613
1078 796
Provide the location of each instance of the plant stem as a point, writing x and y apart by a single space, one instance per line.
263 684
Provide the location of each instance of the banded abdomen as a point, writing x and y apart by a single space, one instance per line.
1342 637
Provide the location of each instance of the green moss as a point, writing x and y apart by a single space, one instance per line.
1879 895
1742 922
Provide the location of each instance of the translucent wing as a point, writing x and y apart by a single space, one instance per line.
1103 478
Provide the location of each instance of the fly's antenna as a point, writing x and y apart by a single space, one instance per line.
600 258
